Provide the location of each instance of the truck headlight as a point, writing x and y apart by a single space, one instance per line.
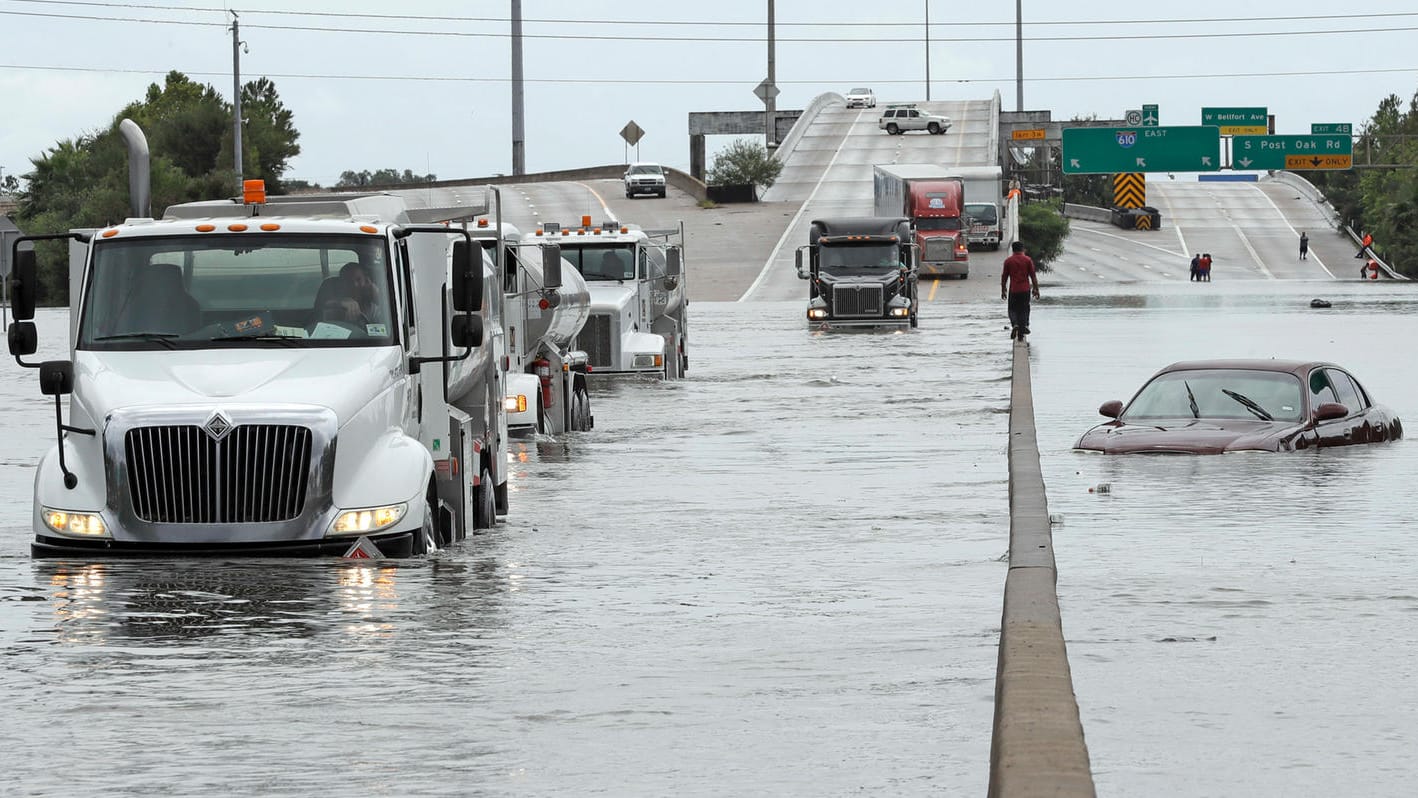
370 519
648 361
66 522
817 313
516 403
899 312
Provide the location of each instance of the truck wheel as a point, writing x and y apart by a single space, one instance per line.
499 498
892 129
425 537
934 128
580 410
484 503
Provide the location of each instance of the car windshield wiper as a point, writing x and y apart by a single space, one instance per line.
1249 404
1191 399
288 340
162 338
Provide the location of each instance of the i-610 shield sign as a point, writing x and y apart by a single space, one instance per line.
1107 150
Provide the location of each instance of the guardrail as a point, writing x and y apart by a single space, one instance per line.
1087 213
680 180
1037 748
803 122
1317 197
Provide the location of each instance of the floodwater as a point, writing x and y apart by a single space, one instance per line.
780 576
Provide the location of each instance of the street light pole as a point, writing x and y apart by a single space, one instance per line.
236 100
770 104
928 50
1019 55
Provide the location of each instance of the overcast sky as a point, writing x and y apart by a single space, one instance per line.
425 84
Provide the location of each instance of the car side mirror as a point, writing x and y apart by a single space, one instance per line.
23 338
23 284
467 277
56 377
798 264
1330 411
1111 409
466 330
551 265
673 265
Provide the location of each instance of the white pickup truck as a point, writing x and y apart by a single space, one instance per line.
897 119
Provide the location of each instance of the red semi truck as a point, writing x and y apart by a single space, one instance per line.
933 199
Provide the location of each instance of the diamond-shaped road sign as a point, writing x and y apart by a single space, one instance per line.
632 133
763 90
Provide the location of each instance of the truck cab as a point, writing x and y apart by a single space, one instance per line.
638 322
298 376
861 272
938 227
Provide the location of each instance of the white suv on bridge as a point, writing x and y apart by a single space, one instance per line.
644 178
897 119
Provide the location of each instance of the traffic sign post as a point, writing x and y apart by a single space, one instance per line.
1332 128
1276 152
1108 150
1238 121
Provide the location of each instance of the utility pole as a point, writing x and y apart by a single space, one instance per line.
1019 55
928 50
519 144
236 100
770 104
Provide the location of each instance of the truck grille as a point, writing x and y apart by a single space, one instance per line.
257 474
859 301
597 342
939 249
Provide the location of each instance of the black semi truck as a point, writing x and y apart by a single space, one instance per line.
861 272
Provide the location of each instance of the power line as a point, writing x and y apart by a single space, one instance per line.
720 82
714 39
729 23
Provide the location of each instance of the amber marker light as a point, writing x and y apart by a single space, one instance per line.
110 233
206 228
253 192
270 227
368 228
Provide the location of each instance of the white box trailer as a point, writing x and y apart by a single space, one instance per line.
273 376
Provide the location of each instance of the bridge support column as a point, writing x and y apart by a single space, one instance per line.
696 155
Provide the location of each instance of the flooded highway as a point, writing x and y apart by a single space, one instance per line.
779 576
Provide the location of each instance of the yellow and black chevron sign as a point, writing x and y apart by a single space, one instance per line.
1144 221
1129 190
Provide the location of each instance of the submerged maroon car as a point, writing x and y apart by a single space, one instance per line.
1214 406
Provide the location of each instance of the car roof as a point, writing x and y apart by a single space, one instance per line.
1297 367
645 163
858 91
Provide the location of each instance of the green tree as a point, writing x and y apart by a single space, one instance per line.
744 162
10 185
381 177
1043 228
83 182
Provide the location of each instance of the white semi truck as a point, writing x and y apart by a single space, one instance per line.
546 307
984 194
253 376
639 320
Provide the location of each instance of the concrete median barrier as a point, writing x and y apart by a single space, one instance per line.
1037 748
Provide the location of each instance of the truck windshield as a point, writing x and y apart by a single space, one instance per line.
938 223
858 257
196 292
982 213
603 263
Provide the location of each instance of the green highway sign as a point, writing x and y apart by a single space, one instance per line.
1270 152
1150 116
1109 150
1345 128
1237 121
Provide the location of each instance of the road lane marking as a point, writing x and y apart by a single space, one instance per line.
1281 214
1246 242
773 256
934 285
1173 214
610 214
1129 240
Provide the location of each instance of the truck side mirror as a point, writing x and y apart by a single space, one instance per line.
56 377
23 284
466 331
467 277
798 264
673 265
551 265
23 337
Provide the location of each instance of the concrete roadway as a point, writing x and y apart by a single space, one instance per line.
745 252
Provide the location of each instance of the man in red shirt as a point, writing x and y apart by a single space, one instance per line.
1016 283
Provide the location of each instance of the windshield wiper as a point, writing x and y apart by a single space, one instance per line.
1196 412
161 338
289 340
1249 404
